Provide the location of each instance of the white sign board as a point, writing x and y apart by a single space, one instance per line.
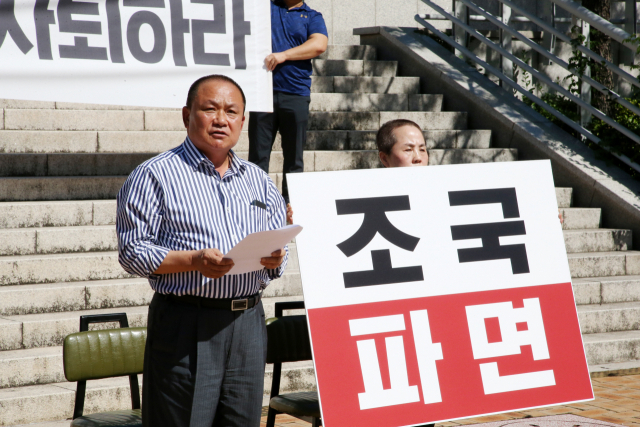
132 52
445 290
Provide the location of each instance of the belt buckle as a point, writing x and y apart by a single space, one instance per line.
239 304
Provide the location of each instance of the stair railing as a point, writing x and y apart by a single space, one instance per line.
462 30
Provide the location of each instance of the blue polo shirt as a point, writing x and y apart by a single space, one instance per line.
291 28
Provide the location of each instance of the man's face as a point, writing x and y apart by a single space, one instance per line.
410 149
216 117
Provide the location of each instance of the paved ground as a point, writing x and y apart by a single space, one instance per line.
617 401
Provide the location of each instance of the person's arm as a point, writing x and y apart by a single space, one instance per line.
210 262
315 45
139 215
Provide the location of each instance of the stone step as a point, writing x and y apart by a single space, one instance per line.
336 140
364 120
564 197
455 157
20 104
48 404
338 51
612 347
33 269
60 188
133 120
56 240
616 317
116 142
581 218
49 329
75 213
605 290
341 67
78 267
597 240
99 294
594 264
152 120
374 102
57 213
81 164
71 120
103 165
362 84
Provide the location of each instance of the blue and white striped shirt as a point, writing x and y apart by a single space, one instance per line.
178 201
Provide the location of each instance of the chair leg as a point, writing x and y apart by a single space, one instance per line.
271 417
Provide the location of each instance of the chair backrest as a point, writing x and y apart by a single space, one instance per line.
288 339
102 354
90 355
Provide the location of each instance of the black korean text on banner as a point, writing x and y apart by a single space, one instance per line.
376 221
80 48
490 233
70 20
9 26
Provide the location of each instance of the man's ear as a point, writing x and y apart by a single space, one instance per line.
186 112
384 159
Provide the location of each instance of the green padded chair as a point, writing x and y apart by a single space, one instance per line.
92 355
289 342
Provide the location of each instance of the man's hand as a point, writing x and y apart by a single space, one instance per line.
274 260
211 263
272 60
289 214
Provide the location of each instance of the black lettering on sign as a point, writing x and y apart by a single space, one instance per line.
200 27
179 27
80 49
43 18
137 20
114 24
376 221
9 25
490 233
241 29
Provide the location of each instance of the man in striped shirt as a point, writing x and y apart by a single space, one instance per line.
178 213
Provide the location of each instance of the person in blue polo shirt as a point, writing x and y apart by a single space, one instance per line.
298 34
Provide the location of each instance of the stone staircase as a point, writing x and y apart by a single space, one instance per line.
62 164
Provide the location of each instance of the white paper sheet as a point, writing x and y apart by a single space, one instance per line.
246 255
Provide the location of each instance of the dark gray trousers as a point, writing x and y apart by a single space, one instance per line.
291 117
203 367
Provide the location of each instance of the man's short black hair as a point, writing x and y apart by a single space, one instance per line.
386 138
193 90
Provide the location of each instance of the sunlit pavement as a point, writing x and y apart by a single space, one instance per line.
617 402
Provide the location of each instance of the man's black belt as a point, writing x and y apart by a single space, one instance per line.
233 304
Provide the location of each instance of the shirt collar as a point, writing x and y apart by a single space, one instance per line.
195 158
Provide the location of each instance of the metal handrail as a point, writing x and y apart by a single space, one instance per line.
535 46
596 21
542 77
461 48
546 27
526 93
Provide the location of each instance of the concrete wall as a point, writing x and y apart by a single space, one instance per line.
342 16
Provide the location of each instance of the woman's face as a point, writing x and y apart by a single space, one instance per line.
410 149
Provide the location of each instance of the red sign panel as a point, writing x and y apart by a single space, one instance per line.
405 362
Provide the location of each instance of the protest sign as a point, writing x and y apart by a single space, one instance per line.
436 293
132 52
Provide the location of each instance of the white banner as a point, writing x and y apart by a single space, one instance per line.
132 52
